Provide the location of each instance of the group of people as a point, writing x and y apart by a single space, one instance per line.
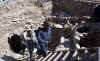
38 39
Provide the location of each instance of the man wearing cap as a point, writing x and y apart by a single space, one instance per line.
44 36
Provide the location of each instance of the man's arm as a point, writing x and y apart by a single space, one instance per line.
49 40
40 37
34 38
25 37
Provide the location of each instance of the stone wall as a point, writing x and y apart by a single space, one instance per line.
73 7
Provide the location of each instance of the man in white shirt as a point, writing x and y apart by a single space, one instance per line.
30 39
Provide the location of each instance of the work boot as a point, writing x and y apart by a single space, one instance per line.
44 54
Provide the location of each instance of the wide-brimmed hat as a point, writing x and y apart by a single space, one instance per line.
27 27
29 22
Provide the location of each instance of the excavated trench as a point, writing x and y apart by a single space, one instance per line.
14 14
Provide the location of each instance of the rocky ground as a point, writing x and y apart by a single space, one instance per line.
13 16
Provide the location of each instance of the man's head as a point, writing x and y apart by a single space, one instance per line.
28 25
46 25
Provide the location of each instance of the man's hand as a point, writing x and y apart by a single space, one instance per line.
48 41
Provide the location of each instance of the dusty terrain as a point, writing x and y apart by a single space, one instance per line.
13 16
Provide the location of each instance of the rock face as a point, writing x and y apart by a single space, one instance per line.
74 7
14 14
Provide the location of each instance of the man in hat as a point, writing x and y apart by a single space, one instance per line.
44 36
29 38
